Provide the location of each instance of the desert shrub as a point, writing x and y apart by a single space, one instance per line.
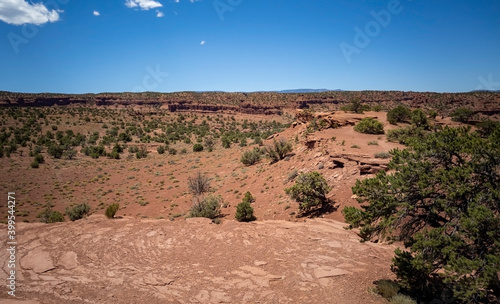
111 210
278 150
244 212
50 216
382 155
209 142
142 152
78 211
356 106
432 114
487 127
387 288
251 157
403 135
35 164
197 147
399 114
172 151
226 142
198 184
160 149
39 158
402 299
133 149
419 119
292 175
462 115
114 155
69 153
56 151
248 198
124 137
208 207
94 151
369 125
309 191
373 143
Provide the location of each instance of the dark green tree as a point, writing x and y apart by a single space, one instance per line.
462 115
244 212
400 113
442 201
309 191
419 119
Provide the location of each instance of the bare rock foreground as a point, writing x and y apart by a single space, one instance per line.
96 260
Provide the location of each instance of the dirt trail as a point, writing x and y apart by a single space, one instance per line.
129 260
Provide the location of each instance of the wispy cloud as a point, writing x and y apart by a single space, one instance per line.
143 4
96 13
20 12
159 14
202 42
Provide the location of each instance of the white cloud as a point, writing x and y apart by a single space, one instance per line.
143 4
202 42
159 14
19 12
96 13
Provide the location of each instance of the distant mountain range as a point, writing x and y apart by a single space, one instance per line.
299 91
307 91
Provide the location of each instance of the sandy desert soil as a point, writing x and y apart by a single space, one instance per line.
128 260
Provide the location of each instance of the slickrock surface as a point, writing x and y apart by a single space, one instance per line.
127 260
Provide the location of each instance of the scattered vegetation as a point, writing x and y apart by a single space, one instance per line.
198 184
463 115
50 216
387 288
78 211
248 198
251 157
403 135
369 125
278 150
402 299
399 114
382 155
356 106
309 191
244 210
208 207
111 210
197 147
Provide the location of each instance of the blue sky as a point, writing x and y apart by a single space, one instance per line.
76 46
